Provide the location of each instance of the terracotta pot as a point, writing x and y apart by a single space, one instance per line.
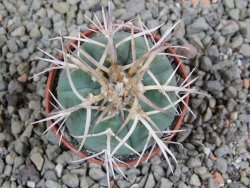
50 85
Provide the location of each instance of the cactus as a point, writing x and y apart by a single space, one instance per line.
117 92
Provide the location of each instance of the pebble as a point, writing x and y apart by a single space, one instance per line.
135 6
150 183
23 78
213 53
12 45
221 165
52 151
3 40
152 23
166 183
234 14
244 50
190 52
31 184
96 173
61 7
194 162
222 151
245 118
70 180
229 3
29 172
50 183
38 160
35 33
18 32
84 182
198 26
237 41
214 85
1 166
59 170
234 116
212 183
218 178
207 116
246 83
231 28
205 63
194 180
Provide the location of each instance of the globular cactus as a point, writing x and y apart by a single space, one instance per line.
117 92
123 90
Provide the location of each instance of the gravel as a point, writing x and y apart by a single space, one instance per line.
70 180
215 149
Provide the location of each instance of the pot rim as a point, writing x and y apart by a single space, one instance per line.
48 106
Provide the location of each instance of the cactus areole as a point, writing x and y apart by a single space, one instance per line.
120 99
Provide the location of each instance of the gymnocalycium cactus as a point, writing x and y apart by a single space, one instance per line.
117 92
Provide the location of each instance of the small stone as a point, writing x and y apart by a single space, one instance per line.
3 40
214 85
198 26
246 83
96 173
35 33
50 183
207 116
194 162
221 165
222 151
234 116
229 3
152 23
61 7
73 2
150 183
237 41
31 184
231 28
59 169
241 4
36 5
52 151
15 86
29 172
244 50
18 32
190 52
245 118
84 182
205 63
218 178
70 180
12 45
50 175
38 160
16 127
234 14
213 53
24 114
212 183
1 166
23 78
146 15
166 183
135 6
3 85
194 180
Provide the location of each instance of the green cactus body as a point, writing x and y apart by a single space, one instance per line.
161 68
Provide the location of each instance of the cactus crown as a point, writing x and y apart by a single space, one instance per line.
117 92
